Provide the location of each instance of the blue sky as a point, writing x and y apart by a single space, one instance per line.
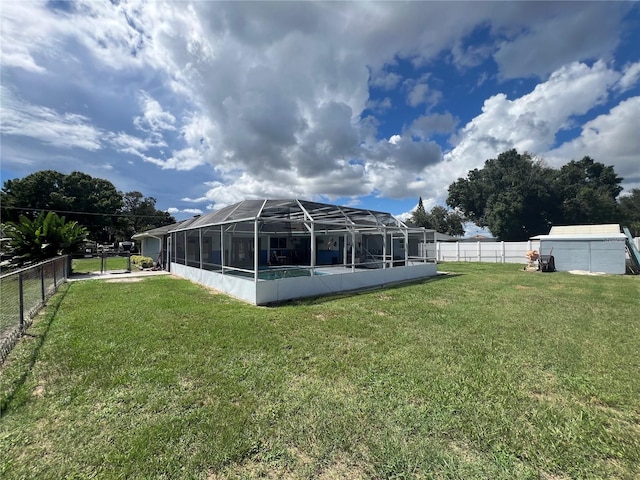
203 104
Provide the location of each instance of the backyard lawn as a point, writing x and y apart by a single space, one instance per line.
90 265
489 372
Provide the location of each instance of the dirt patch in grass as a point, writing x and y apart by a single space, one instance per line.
38 391
439 302
124 280
384 297
340 469
464 452
551 476
254 469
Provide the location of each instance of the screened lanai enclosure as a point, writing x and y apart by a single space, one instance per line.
266 251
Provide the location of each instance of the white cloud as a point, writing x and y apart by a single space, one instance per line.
154 119
127 143
191 211
385 80
611 138
629 79
421 93
271 95
435 123
379 106
469 56
181 160
531 122
559 33
66 130
21 38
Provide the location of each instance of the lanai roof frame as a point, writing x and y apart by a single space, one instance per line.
281 211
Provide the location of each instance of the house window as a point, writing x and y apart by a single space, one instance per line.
278 243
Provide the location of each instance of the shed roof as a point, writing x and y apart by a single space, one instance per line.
584 236
584 229
583 232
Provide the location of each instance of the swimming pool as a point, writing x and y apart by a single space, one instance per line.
279 273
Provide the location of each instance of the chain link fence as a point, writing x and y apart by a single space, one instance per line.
23 293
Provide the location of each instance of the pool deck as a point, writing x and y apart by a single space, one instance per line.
115 274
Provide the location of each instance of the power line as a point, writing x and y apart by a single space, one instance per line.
128 215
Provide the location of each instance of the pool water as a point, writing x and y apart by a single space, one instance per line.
283 273
277 274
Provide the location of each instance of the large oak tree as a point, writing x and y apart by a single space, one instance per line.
517 196
511 196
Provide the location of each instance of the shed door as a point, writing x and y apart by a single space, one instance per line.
568 255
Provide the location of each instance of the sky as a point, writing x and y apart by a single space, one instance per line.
367 104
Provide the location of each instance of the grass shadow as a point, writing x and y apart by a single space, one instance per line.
27 364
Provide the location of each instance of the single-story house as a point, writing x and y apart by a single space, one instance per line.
154 243
591 248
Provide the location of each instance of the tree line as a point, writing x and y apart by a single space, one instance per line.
107 214
517 196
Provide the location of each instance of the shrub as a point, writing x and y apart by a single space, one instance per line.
139 260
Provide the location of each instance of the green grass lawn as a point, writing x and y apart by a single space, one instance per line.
89 265
490 373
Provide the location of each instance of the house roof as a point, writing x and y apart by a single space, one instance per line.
160 231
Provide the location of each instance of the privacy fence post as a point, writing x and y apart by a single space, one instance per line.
21 294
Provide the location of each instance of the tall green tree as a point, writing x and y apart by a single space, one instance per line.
587 192
629 208
439 218
45 236
446 221
419 216
139 213
29 196
92 202
510 195
517 197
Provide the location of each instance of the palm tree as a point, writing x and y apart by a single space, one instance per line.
45 236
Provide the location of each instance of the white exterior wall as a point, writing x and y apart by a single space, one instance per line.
239 287
150 247
603 256
270 291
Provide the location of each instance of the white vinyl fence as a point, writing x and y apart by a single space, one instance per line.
490 252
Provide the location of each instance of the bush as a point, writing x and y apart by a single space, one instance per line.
139 260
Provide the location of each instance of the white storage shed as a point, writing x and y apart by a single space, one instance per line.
591 248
